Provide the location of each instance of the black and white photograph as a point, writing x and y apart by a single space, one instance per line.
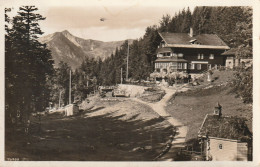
128 81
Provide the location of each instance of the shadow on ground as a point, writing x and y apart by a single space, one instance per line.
99 138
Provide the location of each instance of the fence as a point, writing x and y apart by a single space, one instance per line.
191 152
193 155
147 84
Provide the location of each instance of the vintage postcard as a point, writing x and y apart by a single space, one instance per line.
146 83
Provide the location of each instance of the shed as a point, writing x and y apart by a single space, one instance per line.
225 138
234 60
71 109
230 56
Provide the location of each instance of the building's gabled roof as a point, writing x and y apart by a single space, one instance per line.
170 59
210 41
224 127
231 52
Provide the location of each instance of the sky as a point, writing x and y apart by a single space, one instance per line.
126 19
121 22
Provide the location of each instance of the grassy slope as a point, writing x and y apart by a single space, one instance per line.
103 137
191 107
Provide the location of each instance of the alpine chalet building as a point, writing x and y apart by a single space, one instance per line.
188 53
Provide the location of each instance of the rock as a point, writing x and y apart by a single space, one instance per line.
138 149
148 147
123 145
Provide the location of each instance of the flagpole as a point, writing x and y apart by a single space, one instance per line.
60 99
70 89
121 75
127 59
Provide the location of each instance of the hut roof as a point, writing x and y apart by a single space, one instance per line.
224 127
231 52
210 41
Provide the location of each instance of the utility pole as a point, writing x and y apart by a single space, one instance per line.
121 75
70 89
127 59
60 99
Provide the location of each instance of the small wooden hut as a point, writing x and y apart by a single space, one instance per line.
225 138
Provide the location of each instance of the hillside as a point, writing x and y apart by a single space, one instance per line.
192 106
72 50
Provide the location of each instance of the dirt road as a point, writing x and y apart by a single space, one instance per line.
158 107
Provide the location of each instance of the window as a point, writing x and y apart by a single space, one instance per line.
174 65
174 55
184 65
180 55
211 56
199 66
220 146
179 65
192 66
157 69
202 56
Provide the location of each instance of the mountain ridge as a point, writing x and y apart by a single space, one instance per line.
73 50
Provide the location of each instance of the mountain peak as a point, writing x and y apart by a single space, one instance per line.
73 50
65 32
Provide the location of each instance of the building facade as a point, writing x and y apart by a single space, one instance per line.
188 53
221 149
225 138
233 60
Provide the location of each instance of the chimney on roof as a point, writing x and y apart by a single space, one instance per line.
191 32
218 110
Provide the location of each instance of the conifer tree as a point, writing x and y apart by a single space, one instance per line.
186 24
28 63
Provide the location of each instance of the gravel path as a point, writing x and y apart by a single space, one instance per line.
179 139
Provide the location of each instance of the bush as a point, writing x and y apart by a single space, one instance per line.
151 89
177 77
243 84
210 72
